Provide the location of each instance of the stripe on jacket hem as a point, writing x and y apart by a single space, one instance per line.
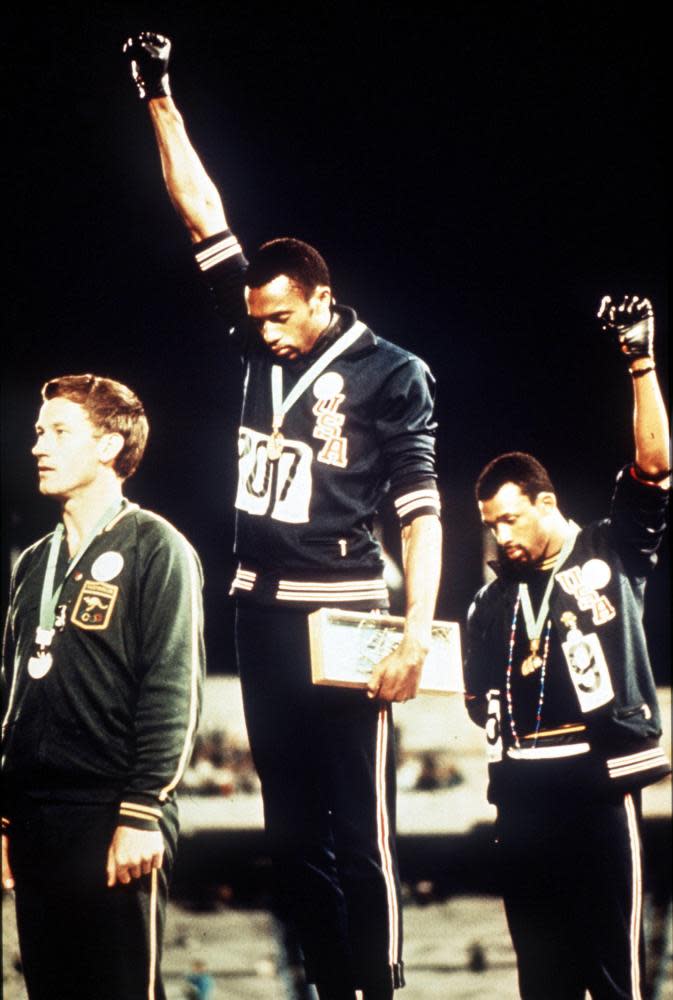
545 753
315 591
244 580
344 590
635 762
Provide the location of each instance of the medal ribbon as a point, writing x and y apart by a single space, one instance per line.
280 405
534 624
49 597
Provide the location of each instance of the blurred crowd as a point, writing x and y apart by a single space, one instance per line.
222 765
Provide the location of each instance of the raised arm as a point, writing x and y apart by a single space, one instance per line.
632 323
192 192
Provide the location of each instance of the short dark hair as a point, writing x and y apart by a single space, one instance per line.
112 408
514 467
301 262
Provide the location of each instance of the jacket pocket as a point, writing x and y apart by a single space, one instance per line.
634 711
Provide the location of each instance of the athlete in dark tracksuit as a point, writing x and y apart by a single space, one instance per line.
573 725
325 757
333 418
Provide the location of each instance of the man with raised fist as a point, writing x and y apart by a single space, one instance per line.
558 673
333 417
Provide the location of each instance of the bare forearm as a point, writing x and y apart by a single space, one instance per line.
422 557
192 192
632 323
650 423
397 676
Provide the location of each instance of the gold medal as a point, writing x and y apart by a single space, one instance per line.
274 448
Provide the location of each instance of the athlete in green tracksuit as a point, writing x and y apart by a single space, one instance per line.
103 668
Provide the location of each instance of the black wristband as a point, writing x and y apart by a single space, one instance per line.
651 477
639 372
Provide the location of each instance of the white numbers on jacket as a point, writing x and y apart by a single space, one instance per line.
282 488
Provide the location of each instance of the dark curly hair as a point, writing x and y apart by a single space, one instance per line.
301 262
514 467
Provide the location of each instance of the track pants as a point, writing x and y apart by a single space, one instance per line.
325 757
80 940
573 896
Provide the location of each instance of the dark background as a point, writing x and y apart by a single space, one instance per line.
476 178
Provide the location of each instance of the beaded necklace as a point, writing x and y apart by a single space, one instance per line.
508 680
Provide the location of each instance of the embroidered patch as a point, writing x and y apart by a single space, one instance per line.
329 426
328 385
596 574
584 583
588 669
94 605
107 566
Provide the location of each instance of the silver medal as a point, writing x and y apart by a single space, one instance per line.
40 665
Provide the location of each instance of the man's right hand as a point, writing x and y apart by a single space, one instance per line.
7 877
132 854
149 54
632 323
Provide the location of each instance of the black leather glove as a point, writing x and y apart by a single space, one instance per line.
148 54
632 322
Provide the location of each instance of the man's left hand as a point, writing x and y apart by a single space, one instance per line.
397 676
133 853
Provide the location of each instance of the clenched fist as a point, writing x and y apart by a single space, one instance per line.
149 54
633 324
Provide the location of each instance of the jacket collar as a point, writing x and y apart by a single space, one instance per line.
343 318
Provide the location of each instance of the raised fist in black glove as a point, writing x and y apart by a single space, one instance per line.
149 53
633 323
